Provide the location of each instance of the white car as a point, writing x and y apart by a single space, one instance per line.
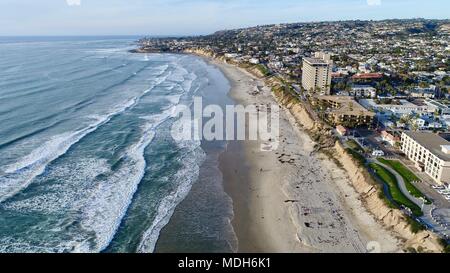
377 153
438 187
447 197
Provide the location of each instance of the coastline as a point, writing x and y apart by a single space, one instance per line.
261 222
201 222
280 206
297 199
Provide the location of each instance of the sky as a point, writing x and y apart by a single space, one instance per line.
193 17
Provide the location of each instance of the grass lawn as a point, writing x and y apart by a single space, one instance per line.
407 175
355 146
389 179
264 70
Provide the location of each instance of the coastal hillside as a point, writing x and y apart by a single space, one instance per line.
361 181
392 219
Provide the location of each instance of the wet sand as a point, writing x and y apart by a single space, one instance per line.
292 199
287 200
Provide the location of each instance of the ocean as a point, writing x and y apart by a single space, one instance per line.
87 161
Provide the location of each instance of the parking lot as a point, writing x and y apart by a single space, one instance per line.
437 215
426 185
371 140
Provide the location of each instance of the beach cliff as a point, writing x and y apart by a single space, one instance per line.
391 218
369 191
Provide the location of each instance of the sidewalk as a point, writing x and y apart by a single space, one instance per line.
427 210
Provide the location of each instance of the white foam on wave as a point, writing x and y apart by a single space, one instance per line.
108 52
160 70
61 201
174 99
183 77
19 175
103 205
187 85
104 219
108 202
177 76
112 197
185 177
59 197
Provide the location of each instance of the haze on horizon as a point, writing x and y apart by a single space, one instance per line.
193 17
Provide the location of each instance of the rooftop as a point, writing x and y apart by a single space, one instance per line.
431 142
316 61
362 86
347 106
368 76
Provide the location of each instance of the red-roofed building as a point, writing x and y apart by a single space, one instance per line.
341 130
337 75
367 76
390 138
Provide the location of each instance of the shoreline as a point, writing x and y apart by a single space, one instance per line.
255 221
297 199
201 222
268 210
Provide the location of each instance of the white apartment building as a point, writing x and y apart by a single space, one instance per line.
429 151
403 108
316 75
443 108
363 91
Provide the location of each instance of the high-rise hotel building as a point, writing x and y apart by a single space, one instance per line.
316 76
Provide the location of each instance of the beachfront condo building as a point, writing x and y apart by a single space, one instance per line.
343 110
316 76
430 152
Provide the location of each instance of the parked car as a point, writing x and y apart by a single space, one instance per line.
377 153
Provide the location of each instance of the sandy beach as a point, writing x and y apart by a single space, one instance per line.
292 199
